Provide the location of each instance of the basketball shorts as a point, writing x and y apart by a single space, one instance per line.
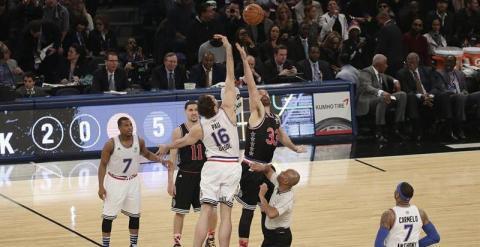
122 196
219 182
187 186
250 186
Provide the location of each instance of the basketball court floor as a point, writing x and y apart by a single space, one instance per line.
339 199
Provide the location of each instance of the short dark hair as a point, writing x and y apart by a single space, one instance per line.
28 74
406 189
310 47
190 102
80 50
202 7
110 53
206 106
169 54
120 120
278 48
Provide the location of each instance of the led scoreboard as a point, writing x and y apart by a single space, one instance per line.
72 131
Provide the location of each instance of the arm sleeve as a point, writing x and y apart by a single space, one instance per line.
381 236
432 236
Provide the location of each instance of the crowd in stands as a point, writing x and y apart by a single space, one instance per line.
385 47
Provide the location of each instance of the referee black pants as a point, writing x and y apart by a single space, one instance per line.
280 237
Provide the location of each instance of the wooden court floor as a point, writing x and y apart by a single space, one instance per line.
338 202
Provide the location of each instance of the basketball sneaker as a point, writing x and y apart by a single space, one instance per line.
177 245
210 242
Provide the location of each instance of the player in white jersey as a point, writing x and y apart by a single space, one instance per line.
400 226
119 186
221 173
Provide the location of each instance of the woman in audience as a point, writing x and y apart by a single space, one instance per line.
330 50
288 27
312 19
245 40
101 39
434 38
273 40
73 67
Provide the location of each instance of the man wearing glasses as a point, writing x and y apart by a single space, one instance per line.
110 78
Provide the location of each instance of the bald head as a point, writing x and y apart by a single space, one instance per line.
412 61
379 61
293 177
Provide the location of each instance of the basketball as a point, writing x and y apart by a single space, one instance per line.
253 14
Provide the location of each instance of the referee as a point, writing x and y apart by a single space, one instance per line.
279 210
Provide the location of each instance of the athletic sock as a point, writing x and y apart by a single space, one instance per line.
211 234
106 241
133 239
176 238
243 243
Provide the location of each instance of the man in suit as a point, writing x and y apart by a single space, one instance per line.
299 45
451 94
446 19
389 42
377 92
256 68
313 68
207 73
279 68
29 89
110 78
415 81
169 76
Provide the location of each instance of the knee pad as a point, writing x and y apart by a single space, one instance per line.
134 223
245 223
107 225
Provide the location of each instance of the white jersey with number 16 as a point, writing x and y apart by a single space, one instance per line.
220 137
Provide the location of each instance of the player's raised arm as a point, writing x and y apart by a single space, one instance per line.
228 103
191 138
256 106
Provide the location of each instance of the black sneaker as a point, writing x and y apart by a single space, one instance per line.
177 245
210 242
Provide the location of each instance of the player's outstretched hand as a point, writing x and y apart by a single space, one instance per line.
263 190
301 149
102 193
167 163
162 150
224 39
242 52
256 167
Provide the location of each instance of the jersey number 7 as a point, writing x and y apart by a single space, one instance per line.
128 162
410 227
